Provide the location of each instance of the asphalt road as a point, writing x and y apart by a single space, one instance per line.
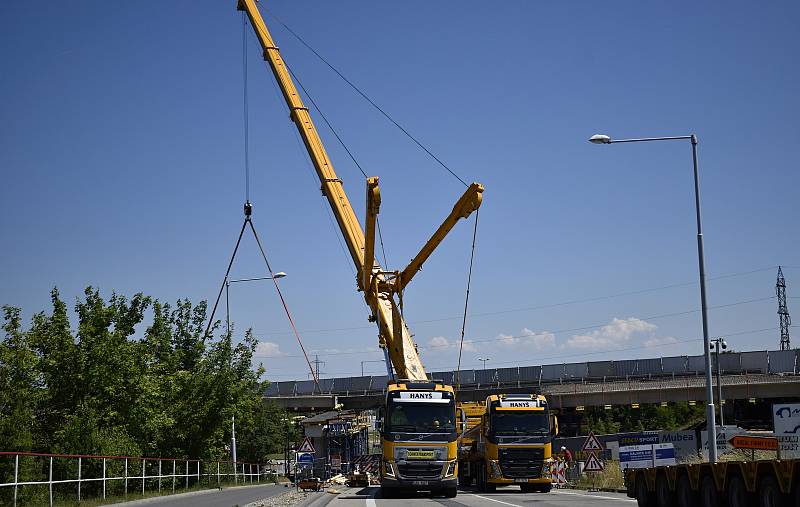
511 497
228 497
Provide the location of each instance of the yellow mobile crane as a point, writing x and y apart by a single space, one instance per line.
419 429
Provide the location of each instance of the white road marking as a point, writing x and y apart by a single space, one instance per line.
623 499
493 500
371 500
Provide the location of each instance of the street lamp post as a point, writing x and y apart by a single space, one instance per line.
710 422
717 343
279 274
484 359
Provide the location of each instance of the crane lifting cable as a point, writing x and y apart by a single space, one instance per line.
248 221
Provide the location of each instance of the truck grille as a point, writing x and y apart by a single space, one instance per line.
521 463
424 470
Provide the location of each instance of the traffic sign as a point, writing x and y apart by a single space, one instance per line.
592 464
758 443
305 458
306 446
592 443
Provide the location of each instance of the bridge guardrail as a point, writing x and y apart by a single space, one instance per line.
762 362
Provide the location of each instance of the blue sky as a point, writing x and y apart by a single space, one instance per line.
122 167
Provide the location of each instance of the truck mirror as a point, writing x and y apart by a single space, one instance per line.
554 427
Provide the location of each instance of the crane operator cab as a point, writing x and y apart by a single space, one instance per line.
418 433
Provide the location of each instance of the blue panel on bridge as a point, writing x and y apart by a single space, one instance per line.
599 369
286 388
576 370
696 364
272 389
650 366
552 372
305 387
360 383
326 384
530 373
730 363
674 364
508 374
755 362
483 377
626 367
782 361
467 377
448 377
379 382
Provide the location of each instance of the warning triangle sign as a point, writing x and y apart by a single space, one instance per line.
592 464
592 443
306 446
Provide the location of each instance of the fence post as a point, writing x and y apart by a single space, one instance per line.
16 477
144 461
186 472
50 480
258 477
104 478
173 475
159 476
126 477
218 474
198 472
79 479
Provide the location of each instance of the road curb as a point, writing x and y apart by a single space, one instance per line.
153 499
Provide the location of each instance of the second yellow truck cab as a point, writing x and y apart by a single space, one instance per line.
419 439
512 444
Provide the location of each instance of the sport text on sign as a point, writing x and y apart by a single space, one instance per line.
758 443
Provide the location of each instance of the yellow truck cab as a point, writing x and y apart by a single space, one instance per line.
511 445
418 432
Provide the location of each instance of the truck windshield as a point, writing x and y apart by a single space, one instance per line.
420 417
520 423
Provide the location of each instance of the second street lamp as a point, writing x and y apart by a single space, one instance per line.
710 422
275 276
718 343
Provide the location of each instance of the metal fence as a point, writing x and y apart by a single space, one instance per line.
778 362
35 478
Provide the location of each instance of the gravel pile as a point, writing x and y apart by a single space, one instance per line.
288 499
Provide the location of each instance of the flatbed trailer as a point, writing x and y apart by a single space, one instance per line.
764 483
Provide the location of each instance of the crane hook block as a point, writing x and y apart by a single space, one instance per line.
248 209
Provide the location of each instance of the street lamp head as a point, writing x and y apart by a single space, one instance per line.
600 139
279 274
722 342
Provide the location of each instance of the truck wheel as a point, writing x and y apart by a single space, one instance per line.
737 493
388 493
664 496
769 493
465 480
545 488
685 496
796 495
450 492
527 488
708 492
642 495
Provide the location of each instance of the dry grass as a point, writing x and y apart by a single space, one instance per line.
610 478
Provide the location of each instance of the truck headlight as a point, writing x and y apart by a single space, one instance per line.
451 469
495 468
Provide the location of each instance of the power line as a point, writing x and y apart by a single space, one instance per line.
546 306
545 333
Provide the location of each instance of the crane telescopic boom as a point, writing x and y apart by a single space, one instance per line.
379 287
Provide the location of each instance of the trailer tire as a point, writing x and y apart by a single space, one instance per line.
643 496
685 496
769 492
709 495
450 492
665 497
737 493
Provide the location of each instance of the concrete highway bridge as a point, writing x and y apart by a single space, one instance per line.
745 375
